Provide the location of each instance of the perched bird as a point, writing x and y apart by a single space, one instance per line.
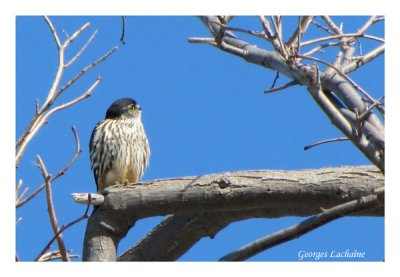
119 149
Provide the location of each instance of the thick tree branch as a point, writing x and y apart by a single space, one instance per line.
233 196
305 75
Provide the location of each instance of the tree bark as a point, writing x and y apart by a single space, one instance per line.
216 200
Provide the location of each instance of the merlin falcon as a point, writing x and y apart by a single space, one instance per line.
119 148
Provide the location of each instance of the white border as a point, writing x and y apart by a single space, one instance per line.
173 7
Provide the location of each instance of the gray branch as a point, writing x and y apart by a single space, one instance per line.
370 142
305 226
209 203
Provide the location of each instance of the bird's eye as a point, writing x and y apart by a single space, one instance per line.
131 107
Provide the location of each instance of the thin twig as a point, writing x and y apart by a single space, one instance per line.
370 108
56 176
298 36
60 70
277 43
122 39
278 20
267 28
324 141
29 132
275 79
51 209
36 107
53 31
235 29
356 35
70 39
278 32
18 220
360 48
320 26
19 196
38 120
55 255
45 117
79 53
306 226
345 46
62 229
285 86
368 24
302 25
85 70
18 187
337 30
320 47
360 61
74 101
33 125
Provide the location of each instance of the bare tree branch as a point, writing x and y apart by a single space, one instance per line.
203 205
356 35
306 226
79 53
55 255
285 86
305 75
295 38
51 210
62 229
19 203
337 30
362 60
247 193
42 114
338 71
325 141
122 39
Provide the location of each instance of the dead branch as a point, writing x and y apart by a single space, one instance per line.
335 81
41 117
295 38
42 114
122 39
241 195
19 203
340 36
62 229
55 255
357 62
306 226
51 210
354 84
307 147
285 86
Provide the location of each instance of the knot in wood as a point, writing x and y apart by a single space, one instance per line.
223 182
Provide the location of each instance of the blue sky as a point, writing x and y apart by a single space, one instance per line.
204 112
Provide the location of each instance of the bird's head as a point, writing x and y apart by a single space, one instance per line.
123 108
